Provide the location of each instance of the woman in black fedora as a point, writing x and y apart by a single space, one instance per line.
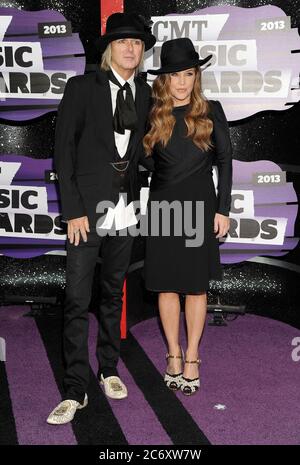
187 134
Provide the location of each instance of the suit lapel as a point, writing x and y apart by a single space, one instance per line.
139 109
102 109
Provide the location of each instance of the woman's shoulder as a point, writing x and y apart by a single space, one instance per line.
214 104
216 109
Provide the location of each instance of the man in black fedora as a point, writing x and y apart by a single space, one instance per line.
98 145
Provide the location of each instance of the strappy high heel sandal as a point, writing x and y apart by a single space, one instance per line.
190 386
173 382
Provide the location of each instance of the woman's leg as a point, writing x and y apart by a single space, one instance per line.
169 310
195 313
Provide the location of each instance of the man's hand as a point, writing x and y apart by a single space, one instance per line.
221 225
77 227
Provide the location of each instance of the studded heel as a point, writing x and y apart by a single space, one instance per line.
190 386
173 382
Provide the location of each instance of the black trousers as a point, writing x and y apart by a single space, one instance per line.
81 262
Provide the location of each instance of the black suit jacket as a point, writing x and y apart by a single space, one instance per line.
84 144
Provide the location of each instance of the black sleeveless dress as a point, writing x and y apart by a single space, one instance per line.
183 173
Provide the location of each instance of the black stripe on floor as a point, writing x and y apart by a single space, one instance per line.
174 418
8 433
95 424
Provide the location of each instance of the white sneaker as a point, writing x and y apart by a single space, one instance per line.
114 387
65 411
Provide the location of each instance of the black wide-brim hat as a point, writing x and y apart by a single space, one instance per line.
178 55
126 25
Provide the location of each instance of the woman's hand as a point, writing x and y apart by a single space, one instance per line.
76 228
221 224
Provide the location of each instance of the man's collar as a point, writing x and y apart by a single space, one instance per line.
121 80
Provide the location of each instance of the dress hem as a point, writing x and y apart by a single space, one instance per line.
178 291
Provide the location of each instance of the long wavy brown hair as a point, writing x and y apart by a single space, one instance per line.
162 121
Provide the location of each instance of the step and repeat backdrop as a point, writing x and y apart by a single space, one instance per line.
254 73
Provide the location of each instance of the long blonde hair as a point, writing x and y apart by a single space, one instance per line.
162 121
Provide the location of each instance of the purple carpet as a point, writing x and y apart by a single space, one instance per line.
249 383
32 386
135 416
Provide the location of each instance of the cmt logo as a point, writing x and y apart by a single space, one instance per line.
2 350
296 352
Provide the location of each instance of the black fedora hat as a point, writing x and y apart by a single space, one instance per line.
177 55
123 25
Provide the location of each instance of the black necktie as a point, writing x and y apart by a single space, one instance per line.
125 116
